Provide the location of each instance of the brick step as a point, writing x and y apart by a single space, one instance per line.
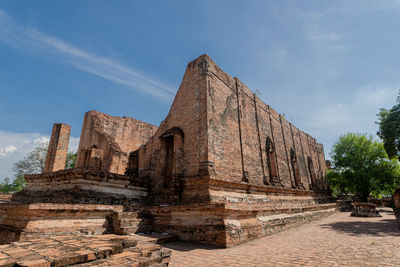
132 215
135 229
129 223
156 238
144 254
105 250
69 250
130 230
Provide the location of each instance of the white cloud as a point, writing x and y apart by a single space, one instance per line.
15 146
5 151
41 140
32 40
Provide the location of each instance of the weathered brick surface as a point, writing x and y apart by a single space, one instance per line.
82 186
58 148
5 197
212 148
222 135
34 221
231 224
115 136
28 221
223 168
105 250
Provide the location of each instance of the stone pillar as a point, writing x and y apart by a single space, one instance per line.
58 148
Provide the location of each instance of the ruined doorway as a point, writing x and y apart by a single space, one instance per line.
295 168
311 171
167 173
172 156
271 161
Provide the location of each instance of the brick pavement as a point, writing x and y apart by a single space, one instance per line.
337 240
99 251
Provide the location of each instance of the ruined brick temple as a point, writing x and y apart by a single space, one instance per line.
222 168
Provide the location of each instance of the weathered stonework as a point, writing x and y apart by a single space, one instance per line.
105 250
222 168
58 148
223 164
114 136
361 209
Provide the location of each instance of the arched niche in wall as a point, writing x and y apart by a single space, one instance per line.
295 169
311 171
132 169
172 142
271 162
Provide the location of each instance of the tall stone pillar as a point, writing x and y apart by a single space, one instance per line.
58 148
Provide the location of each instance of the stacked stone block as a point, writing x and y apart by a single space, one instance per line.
114 136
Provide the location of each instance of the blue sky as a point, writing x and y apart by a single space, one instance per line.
328 66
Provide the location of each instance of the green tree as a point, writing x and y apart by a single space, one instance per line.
33 163
11 187
389 129
338 183
361 166
71 160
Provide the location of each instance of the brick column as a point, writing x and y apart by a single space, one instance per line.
58 148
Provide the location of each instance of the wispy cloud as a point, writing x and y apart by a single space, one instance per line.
325 37
7 150
34 41
325 40
354 113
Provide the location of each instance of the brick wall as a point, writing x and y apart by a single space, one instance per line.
115 136
238 126
219 130
185 131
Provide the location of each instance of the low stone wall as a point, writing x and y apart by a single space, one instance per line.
5 197
32 221
226 225
199 223
203 190
225 214
77 185
266 225
21 222
74 202
361 209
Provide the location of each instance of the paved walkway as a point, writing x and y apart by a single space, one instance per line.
338 240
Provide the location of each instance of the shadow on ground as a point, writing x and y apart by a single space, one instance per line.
386 210
188 246
383 227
